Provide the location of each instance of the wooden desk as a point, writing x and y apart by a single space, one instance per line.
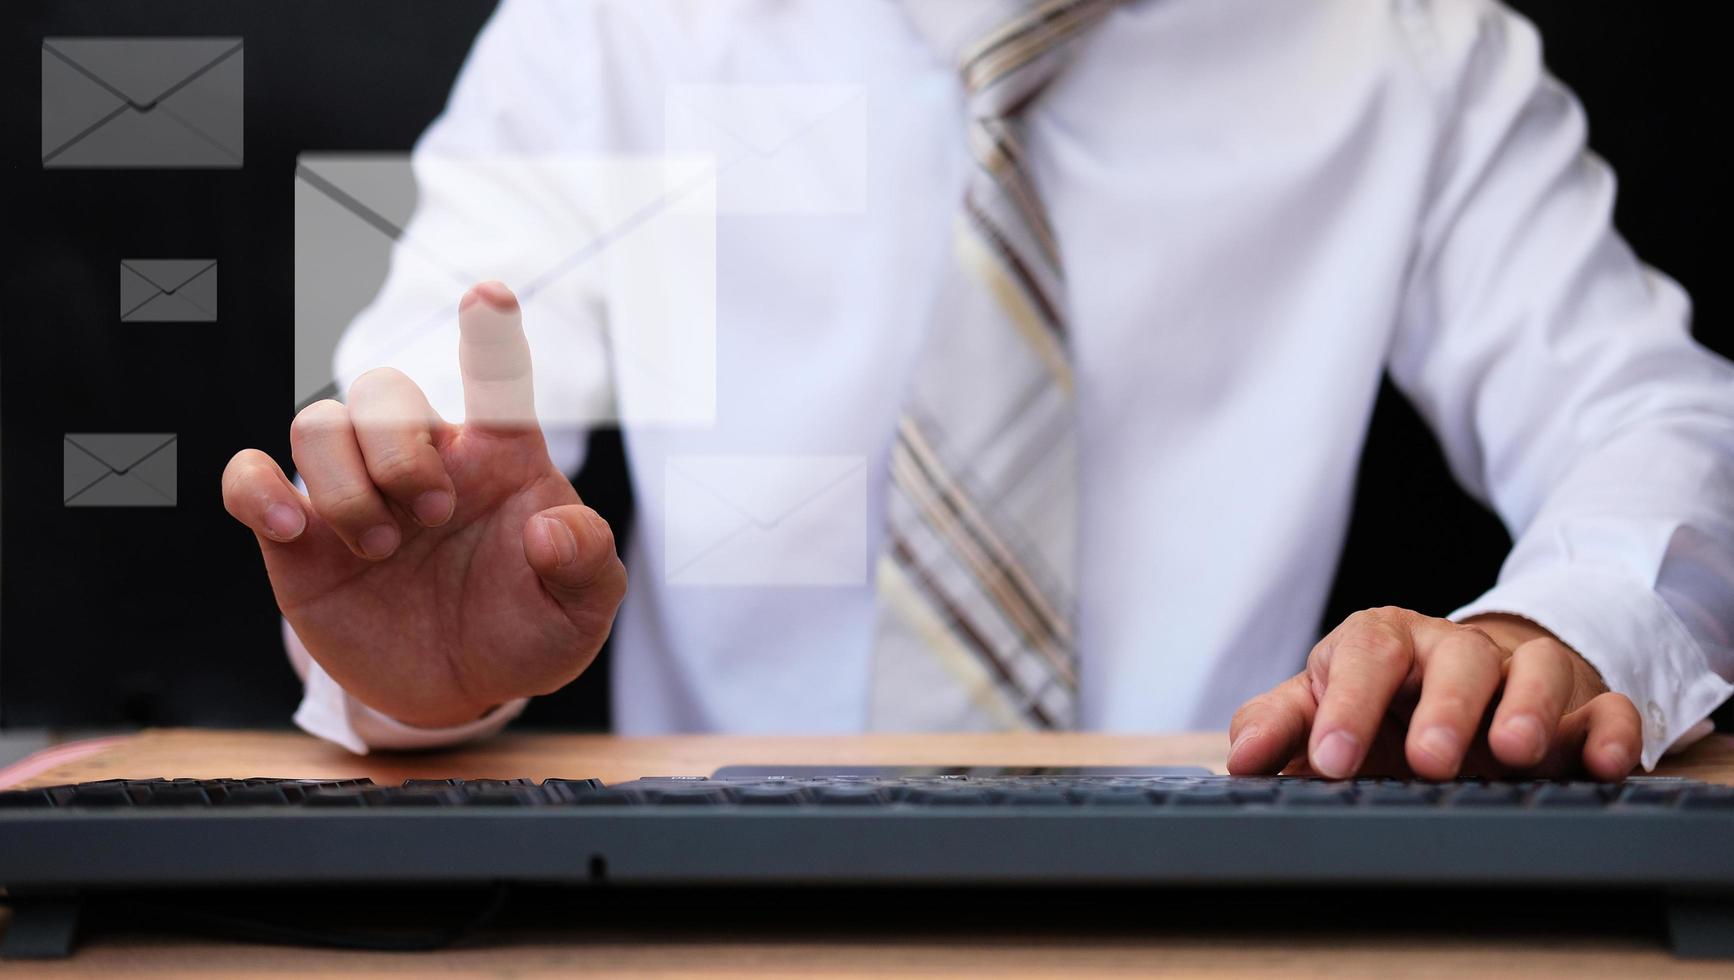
517 954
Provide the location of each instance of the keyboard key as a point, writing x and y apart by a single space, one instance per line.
503 795
19 799
1486 795
1256 795
338 796
448 796
945 796
691 796
1708 798
608 797
769 795
1321 795
1112 796
567 790
1650 794
1205 796
1034 796
1398 794
262 794
104 794
181 795
849 795
1557 796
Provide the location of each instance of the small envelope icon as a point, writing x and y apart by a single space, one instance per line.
141 102
168 290
765 520
119 469
779 149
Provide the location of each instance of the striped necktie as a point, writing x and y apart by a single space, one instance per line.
975 584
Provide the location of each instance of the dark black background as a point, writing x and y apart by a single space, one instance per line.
163 616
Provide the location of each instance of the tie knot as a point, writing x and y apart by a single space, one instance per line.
1006 50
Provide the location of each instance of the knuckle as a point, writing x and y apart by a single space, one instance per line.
317 419
1456 705
237 469
603 534
374 382
1379 645
1479 646
1471 633
1555 661
1253 707
397 467
1618 706
347 505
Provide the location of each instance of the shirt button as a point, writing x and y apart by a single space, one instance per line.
1655 722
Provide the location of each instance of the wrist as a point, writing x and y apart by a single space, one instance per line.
445 716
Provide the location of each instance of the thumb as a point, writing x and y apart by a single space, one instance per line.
572 549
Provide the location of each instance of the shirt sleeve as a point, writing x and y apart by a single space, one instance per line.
523 96
1562 379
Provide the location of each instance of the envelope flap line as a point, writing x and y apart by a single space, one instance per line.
144 104
350 202
766 513
384 226
767 143
122 468
169 289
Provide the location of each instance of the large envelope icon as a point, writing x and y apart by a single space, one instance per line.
141 102
119 469
168 290
617 283
765 520
780 149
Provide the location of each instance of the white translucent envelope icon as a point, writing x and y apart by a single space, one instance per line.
617 283
779 149
765 520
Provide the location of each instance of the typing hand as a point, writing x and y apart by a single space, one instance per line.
1393 692
434 570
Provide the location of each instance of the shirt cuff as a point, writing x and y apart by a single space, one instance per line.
1628 633
329 712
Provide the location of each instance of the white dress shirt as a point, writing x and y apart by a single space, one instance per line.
1261 206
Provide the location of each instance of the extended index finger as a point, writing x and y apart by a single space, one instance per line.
494 356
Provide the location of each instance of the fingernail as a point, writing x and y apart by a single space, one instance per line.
285 522
1527 732
1337 755
379 542
433 508
560 536
1440 743
496 293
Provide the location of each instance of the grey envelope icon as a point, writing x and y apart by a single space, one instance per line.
119 469
141 102
168 290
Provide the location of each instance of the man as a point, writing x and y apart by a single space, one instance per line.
1105 334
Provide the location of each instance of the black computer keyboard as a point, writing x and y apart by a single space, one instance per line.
895 791
788 826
